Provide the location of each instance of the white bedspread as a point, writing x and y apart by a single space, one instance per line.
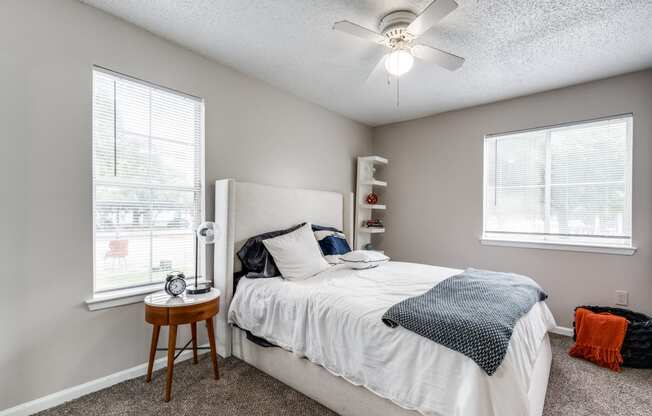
334 320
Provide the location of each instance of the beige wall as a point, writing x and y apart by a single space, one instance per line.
48 339
434 197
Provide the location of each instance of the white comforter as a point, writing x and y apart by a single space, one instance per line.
334 320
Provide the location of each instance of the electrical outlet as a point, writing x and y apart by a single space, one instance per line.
622 298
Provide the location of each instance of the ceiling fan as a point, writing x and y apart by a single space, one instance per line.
400 31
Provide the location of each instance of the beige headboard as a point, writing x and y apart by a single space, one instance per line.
243 210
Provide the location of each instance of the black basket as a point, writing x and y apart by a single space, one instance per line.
637 347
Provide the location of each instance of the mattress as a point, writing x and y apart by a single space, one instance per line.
334 320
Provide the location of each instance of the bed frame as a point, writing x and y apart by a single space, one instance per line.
243 210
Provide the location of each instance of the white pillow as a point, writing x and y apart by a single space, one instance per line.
364 259
296 254
333 259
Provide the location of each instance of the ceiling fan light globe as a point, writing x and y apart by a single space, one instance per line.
399 62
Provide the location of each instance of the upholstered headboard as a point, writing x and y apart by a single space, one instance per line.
243 210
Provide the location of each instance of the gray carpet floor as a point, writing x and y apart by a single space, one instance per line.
577 388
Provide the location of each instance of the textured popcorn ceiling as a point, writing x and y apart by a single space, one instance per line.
512 47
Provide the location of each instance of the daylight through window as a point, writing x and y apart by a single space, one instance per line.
147 180
565 184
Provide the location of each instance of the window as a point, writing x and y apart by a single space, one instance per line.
567 185
147 181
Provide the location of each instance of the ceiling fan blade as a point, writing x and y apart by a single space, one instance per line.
378 71
358 31
437 56
435 11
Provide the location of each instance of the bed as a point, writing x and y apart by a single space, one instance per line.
333 346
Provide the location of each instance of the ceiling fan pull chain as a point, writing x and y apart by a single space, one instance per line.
398 81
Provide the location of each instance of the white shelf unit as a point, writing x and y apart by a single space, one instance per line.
372 230
375 182
377 206
365 184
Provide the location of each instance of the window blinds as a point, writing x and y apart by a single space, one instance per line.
570 183
147 180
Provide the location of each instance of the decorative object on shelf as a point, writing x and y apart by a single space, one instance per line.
373 224
175 283
372 198
369 172
207 232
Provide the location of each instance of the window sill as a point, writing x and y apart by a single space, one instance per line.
121 297
587 248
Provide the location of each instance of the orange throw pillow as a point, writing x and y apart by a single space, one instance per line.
599 338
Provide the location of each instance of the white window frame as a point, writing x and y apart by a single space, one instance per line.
137 293
550 242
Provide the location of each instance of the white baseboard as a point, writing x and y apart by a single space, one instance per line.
71 393
559 330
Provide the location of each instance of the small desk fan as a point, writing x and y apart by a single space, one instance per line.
208 233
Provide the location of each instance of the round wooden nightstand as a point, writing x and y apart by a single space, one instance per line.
162 309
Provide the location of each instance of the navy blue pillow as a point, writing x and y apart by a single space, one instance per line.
316 227
333 245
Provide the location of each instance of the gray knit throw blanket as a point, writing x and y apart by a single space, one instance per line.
473 313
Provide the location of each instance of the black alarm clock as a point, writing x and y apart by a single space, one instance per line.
175 283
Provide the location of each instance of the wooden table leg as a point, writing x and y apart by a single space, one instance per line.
211 341
172 342
156 329
193 329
